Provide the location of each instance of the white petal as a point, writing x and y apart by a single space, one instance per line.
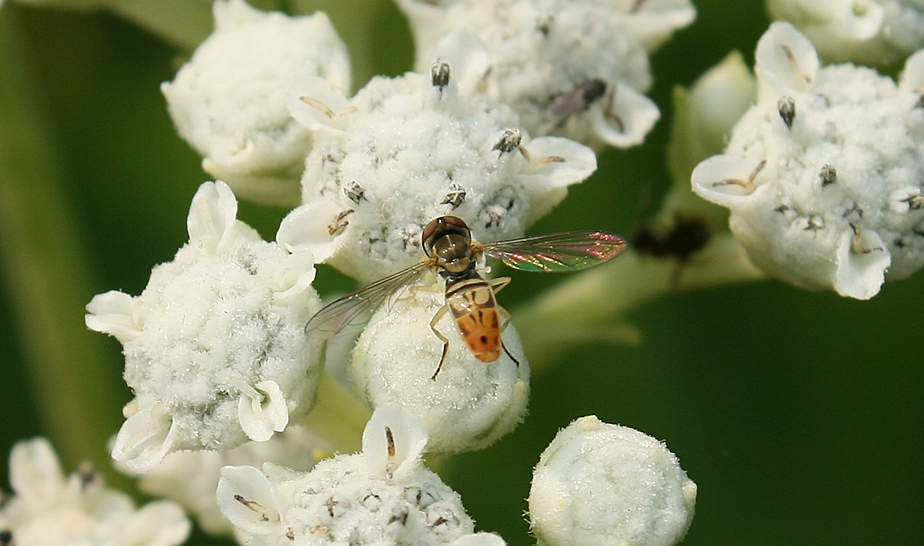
113 313
245 497
393 439
263 412
479 539
785 60
144 439
862 260
293 276
560 162
468 59
159 523
862 19
212 217
626 119
308 229
35 473
319 105
725 179
654 23
912 78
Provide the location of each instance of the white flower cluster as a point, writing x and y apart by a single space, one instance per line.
823 175
409 149
600 484
215 350
382 496
230 101
49 508
574 68
874 32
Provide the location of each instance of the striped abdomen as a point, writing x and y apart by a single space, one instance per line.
471 302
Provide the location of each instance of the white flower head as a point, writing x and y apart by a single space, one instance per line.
572 68
230 100
469 404
382 496
875 32
406 150
215 349
190 477
48 508
823 175
599 484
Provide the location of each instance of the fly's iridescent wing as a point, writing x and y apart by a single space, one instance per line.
556 252
353 311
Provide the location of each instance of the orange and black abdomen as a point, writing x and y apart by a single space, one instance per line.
472 304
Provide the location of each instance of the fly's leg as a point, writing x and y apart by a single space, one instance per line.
499 283
503 312
436 318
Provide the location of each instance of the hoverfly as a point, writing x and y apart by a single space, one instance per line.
451 252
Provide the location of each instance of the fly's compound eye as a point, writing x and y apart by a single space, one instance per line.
441 227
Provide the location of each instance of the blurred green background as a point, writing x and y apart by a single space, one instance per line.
799 415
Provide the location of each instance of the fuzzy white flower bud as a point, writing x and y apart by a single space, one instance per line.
230 100
469 404
823 175
406 150
573 68
599 484
48 508
215 349
875 32
382 496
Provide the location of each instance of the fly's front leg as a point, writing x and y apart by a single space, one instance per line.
436 318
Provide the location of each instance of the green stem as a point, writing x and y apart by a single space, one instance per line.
338 417
590 306
183 23
45 271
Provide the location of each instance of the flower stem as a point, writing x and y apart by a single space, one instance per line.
338 417
183 23
590 306
45 271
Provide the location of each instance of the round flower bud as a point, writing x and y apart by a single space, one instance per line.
215 348
823 175
383 496
598 484
467 404
49 508
572 68
230 100
406 150
876 32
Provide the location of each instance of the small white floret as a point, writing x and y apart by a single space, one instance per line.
383 496
823 175
572 68
230 101
404 151
215 348
46 508
875 32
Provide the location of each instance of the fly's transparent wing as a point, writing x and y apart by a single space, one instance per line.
353 311
569 251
